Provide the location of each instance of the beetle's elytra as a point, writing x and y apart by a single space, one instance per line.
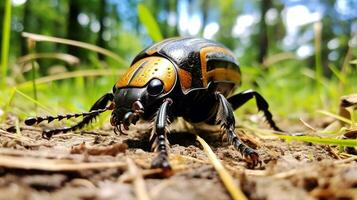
191 78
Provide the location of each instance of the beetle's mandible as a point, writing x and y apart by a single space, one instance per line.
191 78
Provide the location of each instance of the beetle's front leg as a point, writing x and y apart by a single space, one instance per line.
160 143
225 117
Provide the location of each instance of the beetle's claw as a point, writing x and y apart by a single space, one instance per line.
126 127
121 129
252 157
161 161
116 130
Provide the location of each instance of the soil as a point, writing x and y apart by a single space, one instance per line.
61 168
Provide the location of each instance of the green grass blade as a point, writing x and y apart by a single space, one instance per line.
8 104
318 65
5 42
350 122
72 60
148 20
33 100
318 140
338 74
68 75
33 74
91 47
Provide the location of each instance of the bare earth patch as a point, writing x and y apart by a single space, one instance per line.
94 165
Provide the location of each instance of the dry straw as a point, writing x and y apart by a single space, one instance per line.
226 178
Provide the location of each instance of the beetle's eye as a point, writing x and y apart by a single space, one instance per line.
155 87
114 89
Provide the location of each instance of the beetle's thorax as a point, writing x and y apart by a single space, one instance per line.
144 70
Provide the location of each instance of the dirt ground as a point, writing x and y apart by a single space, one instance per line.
95 165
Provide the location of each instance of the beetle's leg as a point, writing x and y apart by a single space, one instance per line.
225 117
239 99
98 107
160 144
102 102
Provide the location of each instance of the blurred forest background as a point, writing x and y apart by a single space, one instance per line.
282 46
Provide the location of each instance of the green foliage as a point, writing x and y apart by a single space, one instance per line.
228 11
5 42
149 22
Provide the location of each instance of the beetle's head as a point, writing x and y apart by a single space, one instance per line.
131 103
141 90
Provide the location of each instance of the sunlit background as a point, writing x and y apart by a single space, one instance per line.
287 24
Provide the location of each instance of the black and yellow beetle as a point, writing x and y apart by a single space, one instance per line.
191 78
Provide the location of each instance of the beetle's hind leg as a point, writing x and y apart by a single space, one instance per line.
98 107
240 99
225 117
159 138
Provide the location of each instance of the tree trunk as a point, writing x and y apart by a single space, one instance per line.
26 23
74 29
263 33
101 17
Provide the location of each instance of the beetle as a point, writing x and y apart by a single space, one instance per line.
191 78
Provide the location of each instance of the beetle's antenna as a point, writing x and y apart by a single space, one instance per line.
98 107
36 120
88 117
86 120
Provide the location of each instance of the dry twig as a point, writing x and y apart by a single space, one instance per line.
54 165
307 125
139 183
353 158
226 178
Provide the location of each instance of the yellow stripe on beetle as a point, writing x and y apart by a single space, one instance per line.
203 58
224 74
